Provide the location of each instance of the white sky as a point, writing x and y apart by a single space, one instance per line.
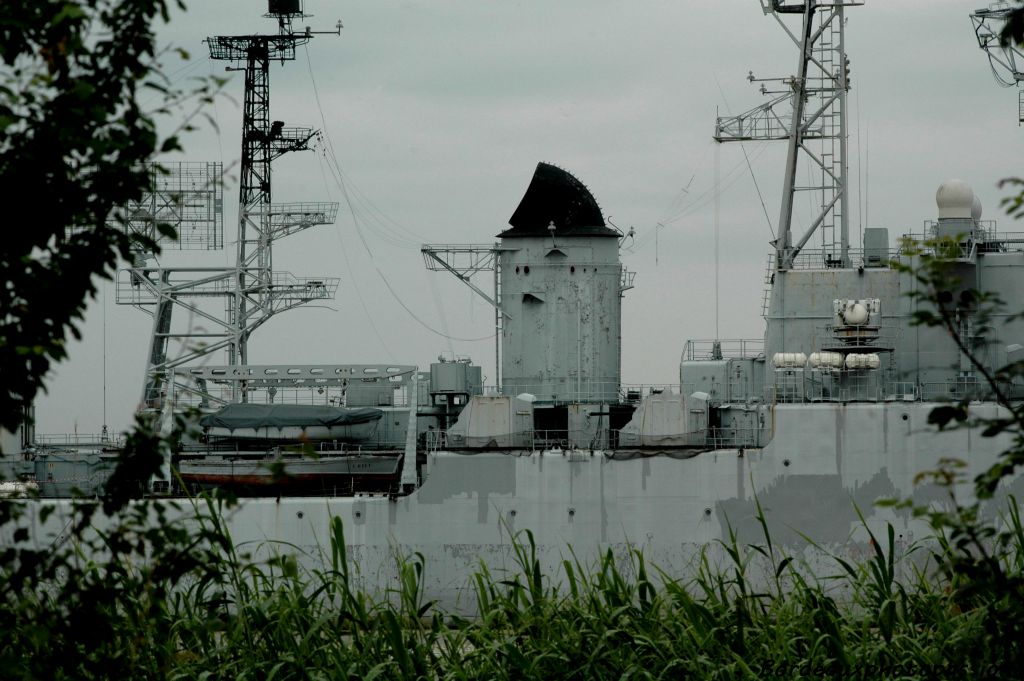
439 111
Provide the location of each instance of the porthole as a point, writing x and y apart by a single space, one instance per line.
526 269
572 270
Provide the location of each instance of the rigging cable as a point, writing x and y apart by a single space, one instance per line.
103 300
355 285
860 213
339 179
699 202
718 197
867 171
391 229
173 78
749 166
423 323
337 228
440 312
757 187
220 151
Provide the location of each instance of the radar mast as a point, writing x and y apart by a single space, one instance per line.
251 291
808 110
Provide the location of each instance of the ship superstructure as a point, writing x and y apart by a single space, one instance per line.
824 415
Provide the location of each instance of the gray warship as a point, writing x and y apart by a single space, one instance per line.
812 423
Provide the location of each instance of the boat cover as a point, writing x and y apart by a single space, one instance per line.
287 415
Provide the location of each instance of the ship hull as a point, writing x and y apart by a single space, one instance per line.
824 463
326 475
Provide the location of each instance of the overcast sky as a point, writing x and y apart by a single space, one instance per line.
439 111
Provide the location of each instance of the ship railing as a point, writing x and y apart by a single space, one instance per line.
589 393
797 385
146 285
634 393
734 391
559 392
958 388
436 440
314 393
290 217
788 386
845 386
729 348
874 338
954 250
534 440
78 440
253 451
285 286
823 385
731 438
1003 239
826 259
904 391
983 239
607 439
983 230
554 438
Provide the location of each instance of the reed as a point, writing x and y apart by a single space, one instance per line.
218 613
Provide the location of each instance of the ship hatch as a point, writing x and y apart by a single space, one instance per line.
551 425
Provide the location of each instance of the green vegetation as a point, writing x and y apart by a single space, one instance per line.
171 602
73 140
153 597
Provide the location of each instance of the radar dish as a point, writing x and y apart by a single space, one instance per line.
556 197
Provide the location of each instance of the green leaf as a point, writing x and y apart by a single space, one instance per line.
167 230
941 416
170 144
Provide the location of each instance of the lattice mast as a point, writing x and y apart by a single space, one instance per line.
810 113
257 296
1006 61
188 197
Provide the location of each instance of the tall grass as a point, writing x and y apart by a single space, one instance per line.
221 614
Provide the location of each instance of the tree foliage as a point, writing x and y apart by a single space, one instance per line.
973 548
73 136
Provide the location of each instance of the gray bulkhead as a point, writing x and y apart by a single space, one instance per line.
561 288
917 362
561 338
914 362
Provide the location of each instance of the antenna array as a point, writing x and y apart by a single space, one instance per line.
251 291
808 110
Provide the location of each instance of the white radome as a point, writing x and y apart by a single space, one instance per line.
856 314
955 199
